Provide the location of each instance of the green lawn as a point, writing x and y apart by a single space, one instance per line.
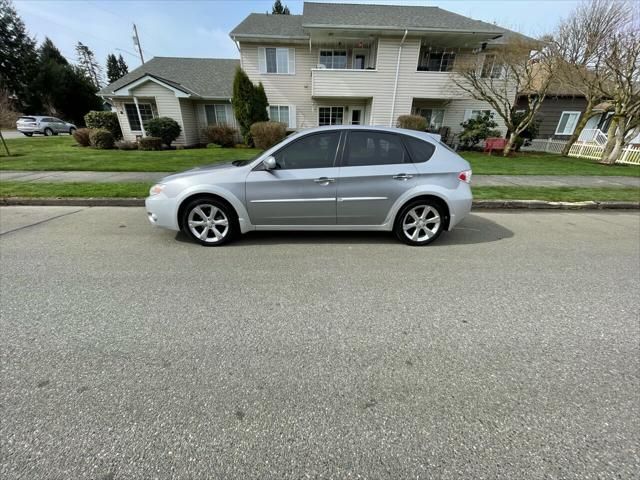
60 153
23 189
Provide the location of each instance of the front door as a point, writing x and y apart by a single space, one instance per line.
302 189
375 171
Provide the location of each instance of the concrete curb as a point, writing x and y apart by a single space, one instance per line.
477 204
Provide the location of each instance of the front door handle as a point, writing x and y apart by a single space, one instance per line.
325 180
402 176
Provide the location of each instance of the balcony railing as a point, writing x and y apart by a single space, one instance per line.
354 83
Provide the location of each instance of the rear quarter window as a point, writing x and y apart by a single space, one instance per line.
419 150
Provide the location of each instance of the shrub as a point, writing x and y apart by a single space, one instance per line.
150 143
477 129
106 120
412 122
101 138
267 134
529 133
164 128
223 135
81 136
126 145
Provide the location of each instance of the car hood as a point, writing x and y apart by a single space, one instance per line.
203 169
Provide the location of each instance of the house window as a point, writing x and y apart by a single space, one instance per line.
277 60
474 114
435 61
330 116
492 67
279 113
567 123
433 116
146 112
216 114
336 59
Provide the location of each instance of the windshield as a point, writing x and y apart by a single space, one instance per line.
241 163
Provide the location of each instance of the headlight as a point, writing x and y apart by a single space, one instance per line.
157 188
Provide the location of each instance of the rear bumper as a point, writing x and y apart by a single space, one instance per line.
460 204
29 130
162 211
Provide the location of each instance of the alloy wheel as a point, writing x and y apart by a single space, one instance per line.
421 223
208 223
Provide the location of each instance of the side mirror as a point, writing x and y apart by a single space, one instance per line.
269 163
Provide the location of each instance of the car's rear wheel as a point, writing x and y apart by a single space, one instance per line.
209 222
71 131
48 132
28 134
420 222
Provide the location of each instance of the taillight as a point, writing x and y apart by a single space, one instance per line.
465 176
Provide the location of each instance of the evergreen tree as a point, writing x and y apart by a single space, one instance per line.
60 89
279 9
122 66
113 69
88 64
249 103
17 52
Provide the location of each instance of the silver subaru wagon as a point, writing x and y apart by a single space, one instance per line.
327 178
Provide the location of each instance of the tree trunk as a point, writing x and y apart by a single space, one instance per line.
584 118
616 151
509 145
611 140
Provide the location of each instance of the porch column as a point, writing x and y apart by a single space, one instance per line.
135 100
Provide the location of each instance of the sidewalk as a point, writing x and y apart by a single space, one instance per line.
478 180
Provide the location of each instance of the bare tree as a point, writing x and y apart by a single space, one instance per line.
580 45
496 74
623 63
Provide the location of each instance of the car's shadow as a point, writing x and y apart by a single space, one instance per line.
473 229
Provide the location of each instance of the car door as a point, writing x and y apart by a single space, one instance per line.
58 125
301 190
374 172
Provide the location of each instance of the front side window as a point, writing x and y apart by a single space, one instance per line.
277 60
567 123
333 58
330 116
492 67
146 112
279 113
313 151
436 61
374 148
216 114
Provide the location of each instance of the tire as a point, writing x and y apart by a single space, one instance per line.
27 134
419 213
48 132
71 130
209 222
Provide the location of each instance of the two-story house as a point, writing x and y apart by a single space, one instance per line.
334 64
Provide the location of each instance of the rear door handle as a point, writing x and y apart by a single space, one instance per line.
325 180
402 176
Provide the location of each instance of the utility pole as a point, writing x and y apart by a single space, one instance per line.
136 42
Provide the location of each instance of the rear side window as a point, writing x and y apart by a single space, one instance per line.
374 148
419 150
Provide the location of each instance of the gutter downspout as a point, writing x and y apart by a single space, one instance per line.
135 100
395 86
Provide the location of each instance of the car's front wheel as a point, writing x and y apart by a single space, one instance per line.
420 222
209 222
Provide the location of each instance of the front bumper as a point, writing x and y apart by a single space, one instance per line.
162 211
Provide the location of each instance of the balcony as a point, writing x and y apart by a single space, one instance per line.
344 83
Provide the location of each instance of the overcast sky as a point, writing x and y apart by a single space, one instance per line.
200 28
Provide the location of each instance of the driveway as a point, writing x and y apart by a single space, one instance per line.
509 349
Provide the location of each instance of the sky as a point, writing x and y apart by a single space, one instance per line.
187 28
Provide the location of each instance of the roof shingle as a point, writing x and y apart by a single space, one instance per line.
204 77
270 25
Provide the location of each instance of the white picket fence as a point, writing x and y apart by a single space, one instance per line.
583 149
630 155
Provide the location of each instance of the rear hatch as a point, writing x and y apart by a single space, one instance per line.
27 122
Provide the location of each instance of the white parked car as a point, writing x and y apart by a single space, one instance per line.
31 124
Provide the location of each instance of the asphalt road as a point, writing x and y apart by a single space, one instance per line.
509 349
